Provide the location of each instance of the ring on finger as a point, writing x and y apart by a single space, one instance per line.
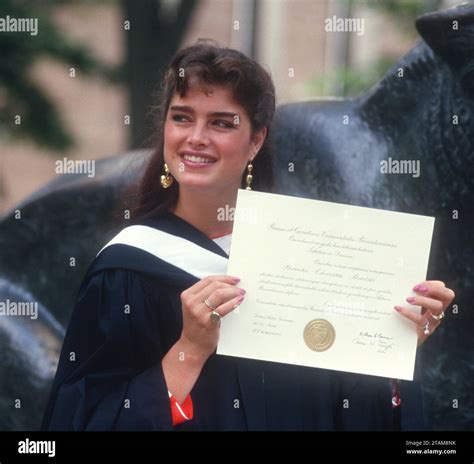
438 317
216 317
209 304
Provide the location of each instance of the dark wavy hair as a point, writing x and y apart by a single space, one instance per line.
251 86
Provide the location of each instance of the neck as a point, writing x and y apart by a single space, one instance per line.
206 211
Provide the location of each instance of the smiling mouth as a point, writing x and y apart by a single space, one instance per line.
197 159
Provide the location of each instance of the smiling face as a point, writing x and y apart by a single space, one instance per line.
208 139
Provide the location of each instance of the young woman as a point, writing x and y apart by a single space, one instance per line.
139 353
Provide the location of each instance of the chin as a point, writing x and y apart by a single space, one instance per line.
189 183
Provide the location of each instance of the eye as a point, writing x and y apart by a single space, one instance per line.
223 123
180 118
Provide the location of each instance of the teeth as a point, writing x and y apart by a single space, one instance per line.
198 159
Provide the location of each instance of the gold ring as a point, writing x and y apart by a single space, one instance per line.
439 317
216 317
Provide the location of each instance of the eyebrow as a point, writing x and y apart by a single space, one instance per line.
215 114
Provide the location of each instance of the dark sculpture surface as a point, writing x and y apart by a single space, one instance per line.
327 150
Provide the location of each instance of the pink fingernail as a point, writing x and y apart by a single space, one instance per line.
236 279
241 298
411 299
242 291
397 308
420 288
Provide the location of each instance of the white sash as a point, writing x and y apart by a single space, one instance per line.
176 251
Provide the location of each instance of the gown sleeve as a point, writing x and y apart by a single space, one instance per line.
109 375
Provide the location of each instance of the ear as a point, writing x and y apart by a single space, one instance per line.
450 34
258 138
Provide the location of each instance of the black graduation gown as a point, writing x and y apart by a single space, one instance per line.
109 375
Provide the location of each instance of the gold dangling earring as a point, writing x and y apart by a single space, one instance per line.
166 179
249 175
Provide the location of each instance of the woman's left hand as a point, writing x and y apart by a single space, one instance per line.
434 298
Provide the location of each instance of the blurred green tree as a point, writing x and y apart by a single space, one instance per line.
20 95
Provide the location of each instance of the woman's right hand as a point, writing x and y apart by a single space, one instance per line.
198 328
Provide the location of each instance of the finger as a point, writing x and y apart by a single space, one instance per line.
206 292
435 306
223 295
428 284
199 286
230 305
203 283
418 319
445 295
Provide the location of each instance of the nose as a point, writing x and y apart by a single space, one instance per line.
198 135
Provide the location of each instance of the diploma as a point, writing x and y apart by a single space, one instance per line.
322 280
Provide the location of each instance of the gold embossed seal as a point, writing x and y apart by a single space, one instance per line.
319 335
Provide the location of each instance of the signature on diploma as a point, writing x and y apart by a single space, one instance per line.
375 340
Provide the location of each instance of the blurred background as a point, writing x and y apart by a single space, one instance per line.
82 87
